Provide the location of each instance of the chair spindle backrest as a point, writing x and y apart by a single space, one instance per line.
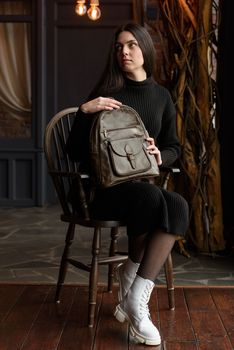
63 171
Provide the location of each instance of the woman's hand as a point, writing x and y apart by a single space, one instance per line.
100 104
154 150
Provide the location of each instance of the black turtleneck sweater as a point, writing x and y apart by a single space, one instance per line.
143 206
155 107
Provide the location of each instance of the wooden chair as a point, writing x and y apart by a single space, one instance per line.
64 174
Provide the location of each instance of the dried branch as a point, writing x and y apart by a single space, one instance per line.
189 41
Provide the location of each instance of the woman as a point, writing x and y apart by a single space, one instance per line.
154 216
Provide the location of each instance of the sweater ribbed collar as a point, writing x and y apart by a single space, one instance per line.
144 83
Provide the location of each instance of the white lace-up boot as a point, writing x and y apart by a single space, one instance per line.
134 309
125 274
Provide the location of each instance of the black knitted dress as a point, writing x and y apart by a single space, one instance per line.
145 207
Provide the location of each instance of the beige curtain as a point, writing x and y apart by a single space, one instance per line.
15 67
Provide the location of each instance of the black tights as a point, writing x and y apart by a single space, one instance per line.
151 251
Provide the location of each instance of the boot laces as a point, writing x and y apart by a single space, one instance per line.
143 305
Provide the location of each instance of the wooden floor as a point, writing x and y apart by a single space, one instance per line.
203 319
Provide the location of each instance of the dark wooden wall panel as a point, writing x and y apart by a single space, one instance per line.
68 55
18 178
4 178
226 127
22 163
77 49
81 55
24 178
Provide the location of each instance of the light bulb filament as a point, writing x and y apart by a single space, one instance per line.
94 12
80 8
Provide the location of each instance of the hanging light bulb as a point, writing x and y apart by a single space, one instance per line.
94 11
80 7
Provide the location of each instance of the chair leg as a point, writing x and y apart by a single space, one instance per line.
112 252
168 266
93 277
64 263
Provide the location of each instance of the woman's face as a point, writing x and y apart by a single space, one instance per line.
129 56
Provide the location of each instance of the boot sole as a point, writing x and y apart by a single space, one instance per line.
121 316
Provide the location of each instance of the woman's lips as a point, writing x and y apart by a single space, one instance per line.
126 61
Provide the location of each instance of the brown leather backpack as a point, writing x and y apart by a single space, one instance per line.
118 148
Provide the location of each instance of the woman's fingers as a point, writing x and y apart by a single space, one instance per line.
110 103
158 158
100 104
153 149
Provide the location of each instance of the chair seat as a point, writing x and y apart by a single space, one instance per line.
76 219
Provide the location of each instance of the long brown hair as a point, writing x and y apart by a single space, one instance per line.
112 79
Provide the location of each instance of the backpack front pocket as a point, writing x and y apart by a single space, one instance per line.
128 156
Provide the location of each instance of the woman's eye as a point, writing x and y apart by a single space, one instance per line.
118 48
132 45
